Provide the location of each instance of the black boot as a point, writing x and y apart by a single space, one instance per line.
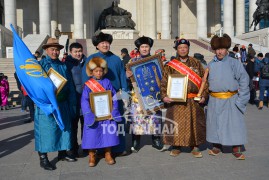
157 143
44 162
63 156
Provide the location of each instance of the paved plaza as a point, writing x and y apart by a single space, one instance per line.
18 160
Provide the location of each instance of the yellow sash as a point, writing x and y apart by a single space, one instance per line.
223 95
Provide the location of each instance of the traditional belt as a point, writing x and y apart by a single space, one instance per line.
223 95
191 95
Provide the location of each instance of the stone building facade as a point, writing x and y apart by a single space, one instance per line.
163 19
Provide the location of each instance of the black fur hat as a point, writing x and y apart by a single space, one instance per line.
101 37
221 42
143 40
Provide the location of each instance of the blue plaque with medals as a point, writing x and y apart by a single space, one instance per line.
146 79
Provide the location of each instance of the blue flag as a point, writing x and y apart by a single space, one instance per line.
34 79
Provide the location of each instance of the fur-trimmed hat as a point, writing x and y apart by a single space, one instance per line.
143 40
221 42
101 37
52 42
181 41
94 63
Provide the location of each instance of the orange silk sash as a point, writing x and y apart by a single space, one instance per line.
94 85
185 70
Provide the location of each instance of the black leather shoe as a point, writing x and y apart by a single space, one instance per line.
27 121
63 156
157 144
67 158
44 162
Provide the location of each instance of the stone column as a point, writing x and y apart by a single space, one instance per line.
240 17
228 23
252 8
44 17
201 18
217 14
165 19
150 18
54 17
78 19
10 13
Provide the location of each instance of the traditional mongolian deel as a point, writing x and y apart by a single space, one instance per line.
146 79
48 136
188 117
99 134
225 116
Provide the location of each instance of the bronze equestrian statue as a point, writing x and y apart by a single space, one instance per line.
262 12
115 17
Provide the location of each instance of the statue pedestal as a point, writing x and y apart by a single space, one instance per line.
122 33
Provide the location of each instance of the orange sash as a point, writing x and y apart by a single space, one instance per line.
185 70
94 85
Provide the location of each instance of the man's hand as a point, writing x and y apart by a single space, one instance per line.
202 101
129 73
167 100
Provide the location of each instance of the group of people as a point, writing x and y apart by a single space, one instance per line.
257 68
225 85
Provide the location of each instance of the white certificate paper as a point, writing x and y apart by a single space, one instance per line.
176 90
56 81
101 103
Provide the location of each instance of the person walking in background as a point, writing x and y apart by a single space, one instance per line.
64 57
243 53
237 53
200 57
125 56
263 69
4 89
251 51
28 102
37 55
250 70
74 63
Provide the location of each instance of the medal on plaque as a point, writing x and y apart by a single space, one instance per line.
150 84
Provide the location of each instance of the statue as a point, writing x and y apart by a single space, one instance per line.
115 17
262 12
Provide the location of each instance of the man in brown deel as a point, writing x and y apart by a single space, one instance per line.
188 117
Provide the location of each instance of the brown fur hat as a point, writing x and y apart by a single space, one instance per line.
221 42
94 63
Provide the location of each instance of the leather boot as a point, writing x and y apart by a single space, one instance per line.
63 156
260 105
44 162
108 156
92 158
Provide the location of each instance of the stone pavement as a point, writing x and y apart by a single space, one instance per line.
18 160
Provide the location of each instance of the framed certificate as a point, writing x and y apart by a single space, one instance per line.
177 87
101 104
58 80
146 80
